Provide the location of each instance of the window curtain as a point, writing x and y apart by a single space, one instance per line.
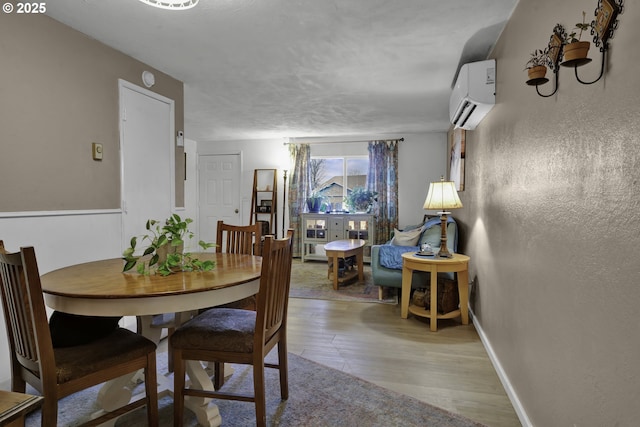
299 190
383 179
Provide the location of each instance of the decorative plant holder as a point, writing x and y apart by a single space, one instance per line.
165 250
537 75
575 54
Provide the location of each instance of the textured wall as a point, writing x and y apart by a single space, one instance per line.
551 222
59 93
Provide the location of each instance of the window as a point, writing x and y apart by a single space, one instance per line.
335 177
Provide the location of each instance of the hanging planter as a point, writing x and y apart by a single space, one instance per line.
537 75
576 50
537 72
537 67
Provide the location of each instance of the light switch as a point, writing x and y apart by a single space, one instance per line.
97 151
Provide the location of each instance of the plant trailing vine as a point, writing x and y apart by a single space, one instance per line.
164 254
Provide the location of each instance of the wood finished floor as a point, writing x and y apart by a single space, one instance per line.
448 368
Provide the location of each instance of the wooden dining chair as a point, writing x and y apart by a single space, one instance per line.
234 239
239 239
59 372
228 335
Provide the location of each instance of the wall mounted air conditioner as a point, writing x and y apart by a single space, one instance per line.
474 94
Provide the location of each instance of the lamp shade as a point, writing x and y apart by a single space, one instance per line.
442 196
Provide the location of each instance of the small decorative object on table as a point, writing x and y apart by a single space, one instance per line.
166 249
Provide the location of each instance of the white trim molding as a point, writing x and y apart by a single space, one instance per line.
504 379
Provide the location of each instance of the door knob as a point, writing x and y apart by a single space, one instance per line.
236 211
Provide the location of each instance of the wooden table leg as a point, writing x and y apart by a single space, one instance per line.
463 290
407 274
335 271
434 301
360 261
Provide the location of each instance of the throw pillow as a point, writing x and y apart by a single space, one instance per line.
406 238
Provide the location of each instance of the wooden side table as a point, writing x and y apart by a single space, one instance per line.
458 264
344 249
15 406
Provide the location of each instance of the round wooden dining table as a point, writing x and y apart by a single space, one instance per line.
101 288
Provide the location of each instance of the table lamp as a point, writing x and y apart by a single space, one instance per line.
442 196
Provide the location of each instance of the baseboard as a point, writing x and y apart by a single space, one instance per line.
504 379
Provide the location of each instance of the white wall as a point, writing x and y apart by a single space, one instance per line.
60 239
422 159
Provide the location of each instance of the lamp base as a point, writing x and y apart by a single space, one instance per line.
442 254
444 251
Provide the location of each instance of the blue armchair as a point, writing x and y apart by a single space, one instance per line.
386 260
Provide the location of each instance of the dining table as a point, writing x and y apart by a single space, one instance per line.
101 288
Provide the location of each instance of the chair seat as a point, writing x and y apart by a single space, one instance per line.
113 350
217 329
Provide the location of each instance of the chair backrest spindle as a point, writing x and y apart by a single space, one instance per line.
23 305
239 239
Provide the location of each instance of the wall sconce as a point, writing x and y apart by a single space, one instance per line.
602 29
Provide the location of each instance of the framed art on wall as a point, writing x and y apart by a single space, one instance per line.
456 156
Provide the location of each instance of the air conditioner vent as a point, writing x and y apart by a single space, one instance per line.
474 94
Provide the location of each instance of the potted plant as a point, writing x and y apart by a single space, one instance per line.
537 65
165 253
574 48
360 199
314 201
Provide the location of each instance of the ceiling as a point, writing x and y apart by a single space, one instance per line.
255 69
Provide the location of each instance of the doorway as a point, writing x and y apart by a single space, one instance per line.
218 192
147 158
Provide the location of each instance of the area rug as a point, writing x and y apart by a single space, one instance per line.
309 280
318 397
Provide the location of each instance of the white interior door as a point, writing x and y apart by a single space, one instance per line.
218 192
147 156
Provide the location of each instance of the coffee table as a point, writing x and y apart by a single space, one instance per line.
344 249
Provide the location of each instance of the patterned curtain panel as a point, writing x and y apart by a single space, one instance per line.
299 189
383 178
